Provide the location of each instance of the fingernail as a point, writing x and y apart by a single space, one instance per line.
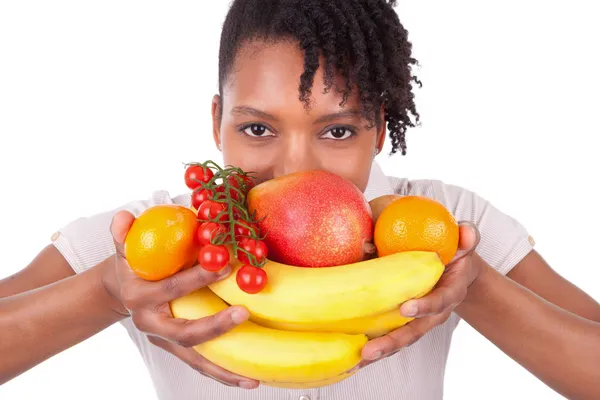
239 316
224 273
354 369
412 311
247 385
376 355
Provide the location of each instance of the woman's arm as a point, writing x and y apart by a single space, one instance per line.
559 347
38 323
535 274
47 267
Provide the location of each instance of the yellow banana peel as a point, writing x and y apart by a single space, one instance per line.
277 358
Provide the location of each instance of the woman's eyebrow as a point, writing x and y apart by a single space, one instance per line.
253 112
338 115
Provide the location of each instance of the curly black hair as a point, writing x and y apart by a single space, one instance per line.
362 40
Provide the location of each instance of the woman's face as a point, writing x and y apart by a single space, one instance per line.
264 127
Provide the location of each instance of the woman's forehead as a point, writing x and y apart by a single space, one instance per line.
267 75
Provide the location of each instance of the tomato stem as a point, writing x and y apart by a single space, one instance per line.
221 177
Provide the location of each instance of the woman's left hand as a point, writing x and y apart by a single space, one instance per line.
434 308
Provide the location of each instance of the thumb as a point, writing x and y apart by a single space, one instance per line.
119 228
369 249
468 240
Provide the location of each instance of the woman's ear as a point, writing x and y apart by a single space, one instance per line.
216 110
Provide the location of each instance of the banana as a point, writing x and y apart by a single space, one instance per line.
372 326
276 358
322 295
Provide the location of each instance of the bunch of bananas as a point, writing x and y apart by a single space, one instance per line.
308 326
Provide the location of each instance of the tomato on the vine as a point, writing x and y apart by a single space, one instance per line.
209 210
251 279
244 229
255 247
200 196
196 173
208 230
213 258
237 214
221 193
242 182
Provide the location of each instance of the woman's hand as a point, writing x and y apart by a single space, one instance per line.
148 305
434 308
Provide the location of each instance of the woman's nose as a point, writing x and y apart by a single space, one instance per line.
297 154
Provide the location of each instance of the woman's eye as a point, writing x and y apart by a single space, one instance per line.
256 130
338 133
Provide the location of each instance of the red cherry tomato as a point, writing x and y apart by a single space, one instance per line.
221 193
255 247
251 279
196 173
209 210
242 182
237 214
213 258
235 195
200 196
208 230
242 231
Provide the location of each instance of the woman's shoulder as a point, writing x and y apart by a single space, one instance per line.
381 183
443 191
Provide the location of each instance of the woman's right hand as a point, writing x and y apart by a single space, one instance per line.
148 305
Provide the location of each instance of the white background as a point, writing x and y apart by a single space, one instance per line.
101 102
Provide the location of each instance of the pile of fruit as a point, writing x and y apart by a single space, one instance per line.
296 245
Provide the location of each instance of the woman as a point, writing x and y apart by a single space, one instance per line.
305 85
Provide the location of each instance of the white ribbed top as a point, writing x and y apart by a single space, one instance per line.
416 372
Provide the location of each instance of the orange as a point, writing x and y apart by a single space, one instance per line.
416 223
162 241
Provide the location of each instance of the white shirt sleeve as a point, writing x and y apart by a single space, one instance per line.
87 241
504 241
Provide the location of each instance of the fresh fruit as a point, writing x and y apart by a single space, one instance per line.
372 326
220 203
210 231
243 229
213 258
251 279
310 295
161 241
195 174
199 196
256 248
313 219
274 357
242 182
416 223
211 210
307 326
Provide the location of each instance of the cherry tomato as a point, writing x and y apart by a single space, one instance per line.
242 231
200 196
209 210
213 258
208 230
242 182
221 193
196 172
233 193
237 214
251 279
255 247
